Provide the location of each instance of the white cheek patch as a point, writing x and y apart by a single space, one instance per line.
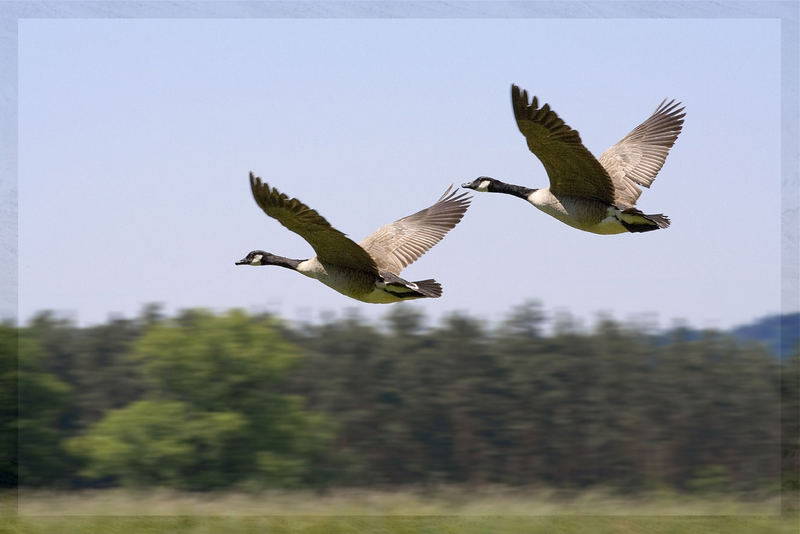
484 186
256 259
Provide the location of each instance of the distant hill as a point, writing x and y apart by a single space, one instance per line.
769 330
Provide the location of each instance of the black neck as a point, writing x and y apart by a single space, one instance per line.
280 261
510 189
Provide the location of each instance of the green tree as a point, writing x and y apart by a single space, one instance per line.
525 355
163 442
213 409
790 432
34 404
93 361
57 338
9 407
718 406
207 401
103 376
339 377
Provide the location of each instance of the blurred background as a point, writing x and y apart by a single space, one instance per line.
555 359
204 401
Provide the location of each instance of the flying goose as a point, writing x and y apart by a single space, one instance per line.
367 271
595 195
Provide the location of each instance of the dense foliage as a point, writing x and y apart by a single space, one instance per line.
203 401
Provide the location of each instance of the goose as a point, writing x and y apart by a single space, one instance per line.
594 195
366 271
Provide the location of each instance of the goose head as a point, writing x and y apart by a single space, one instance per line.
259 257
481 184
256 257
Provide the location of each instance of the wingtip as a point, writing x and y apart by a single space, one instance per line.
519 100
255 181
455 195
262 191
671 107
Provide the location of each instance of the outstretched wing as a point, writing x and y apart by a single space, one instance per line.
572 169
331 245
398 244
638 156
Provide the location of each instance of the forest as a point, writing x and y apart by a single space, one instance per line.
237 400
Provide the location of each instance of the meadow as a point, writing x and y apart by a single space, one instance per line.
465 510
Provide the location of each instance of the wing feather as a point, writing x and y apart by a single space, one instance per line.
571 168
396 245
331 245
636 159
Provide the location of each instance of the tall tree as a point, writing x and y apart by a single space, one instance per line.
43 403
204 400
790 433
9 406
213 411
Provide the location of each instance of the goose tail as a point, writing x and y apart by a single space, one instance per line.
429 288
635 221
402 289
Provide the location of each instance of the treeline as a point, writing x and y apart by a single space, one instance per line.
235 400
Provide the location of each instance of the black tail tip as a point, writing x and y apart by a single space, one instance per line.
429 288
653 222
661 220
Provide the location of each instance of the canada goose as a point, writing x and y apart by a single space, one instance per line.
367 271
595 195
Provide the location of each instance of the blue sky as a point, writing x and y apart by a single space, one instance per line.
136 138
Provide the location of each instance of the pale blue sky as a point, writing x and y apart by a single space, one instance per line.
136 138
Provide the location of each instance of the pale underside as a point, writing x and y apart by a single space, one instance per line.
588 215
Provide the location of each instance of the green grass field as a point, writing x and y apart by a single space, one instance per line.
403 525
446 510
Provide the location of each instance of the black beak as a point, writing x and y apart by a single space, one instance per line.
243 261
468 185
